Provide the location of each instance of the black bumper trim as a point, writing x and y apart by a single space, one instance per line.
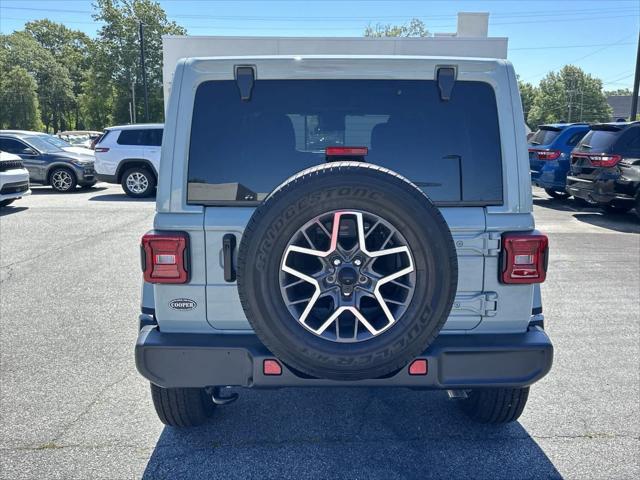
107 178
455 362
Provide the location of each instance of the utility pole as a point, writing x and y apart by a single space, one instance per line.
636 85
133 98
144 74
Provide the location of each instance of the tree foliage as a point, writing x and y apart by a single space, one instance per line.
414 28
618 92
570 95
19 100
527 95
118 53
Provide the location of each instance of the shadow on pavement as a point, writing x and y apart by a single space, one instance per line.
8 210
346 433
619 222
45 190
113 197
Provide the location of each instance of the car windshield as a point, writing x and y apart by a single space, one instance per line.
56 141
598 140
42 144
241 150
544 136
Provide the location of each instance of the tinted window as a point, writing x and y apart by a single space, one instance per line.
240 151
154 137
598 140
144 137
544 136
10 145
131 137
630 142
575 138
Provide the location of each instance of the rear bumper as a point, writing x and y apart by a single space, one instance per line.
454 362
602 192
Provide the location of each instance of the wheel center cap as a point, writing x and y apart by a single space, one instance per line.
347 276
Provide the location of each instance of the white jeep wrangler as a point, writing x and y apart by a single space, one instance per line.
341 221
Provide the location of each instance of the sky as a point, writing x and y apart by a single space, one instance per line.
599 36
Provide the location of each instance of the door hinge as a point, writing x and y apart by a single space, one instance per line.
486 244
484 304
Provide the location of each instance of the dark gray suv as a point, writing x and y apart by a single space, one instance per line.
48 164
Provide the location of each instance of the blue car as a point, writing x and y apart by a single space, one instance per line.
550 155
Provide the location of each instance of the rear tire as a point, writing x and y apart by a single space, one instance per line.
182 407
495 405
138 182
557 194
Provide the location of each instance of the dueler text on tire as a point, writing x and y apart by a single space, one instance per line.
347 271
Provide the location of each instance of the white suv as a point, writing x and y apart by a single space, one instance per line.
130 155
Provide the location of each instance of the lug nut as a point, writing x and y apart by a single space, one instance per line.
336 261
363 279
357 262
331 279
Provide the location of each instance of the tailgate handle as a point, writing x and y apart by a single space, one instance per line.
228 249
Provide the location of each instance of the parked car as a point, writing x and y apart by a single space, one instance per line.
605 167
48 164
57 141
80 138
130 155
14 179
549 155
381 257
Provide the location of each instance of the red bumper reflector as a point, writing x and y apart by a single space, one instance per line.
271 367
418 367
346 151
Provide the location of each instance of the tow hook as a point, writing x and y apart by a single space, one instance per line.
219 399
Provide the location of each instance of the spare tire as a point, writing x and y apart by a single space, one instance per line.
347 271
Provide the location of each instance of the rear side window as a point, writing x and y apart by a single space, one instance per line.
142 137
10 145
240 151
544 136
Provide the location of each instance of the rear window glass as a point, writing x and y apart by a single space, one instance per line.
544 136
145 137
598 140
240 151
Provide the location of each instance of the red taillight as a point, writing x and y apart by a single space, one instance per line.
524 258
164 257
546 154
418 367
271 367
599 159
346 151
101 149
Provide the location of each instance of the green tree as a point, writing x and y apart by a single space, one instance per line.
617 92
117 54
570 95
55 93
71 49
96 101
527 95
415 28
19 101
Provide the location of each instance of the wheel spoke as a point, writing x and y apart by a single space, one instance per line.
379 313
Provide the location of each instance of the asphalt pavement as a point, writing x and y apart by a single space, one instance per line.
72 405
